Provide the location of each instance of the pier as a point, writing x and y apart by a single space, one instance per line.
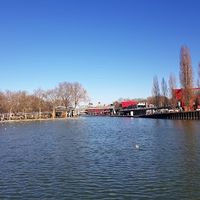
145 112
190 115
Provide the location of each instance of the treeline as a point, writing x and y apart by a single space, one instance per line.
163 93
64 94
166 96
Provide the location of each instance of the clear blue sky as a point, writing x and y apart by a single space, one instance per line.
112 47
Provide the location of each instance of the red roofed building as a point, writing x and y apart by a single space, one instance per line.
126 104
178 94
194 101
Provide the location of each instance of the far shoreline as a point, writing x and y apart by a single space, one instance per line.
33 120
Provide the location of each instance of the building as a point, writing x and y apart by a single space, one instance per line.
129 104
194 101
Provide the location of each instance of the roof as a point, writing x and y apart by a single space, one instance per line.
126 104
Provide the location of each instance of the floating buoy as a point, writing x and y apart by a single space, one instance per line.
137 146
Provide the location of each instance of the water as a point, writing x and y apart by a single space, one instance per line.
100 158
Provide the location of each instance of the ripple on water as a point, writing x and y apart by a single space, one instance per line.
97 158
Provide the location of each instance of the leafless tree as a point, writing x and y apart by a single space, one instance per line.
197 93
186 74
172 86
79 94
156 91
51 96
150 100
2 103
38 96
164 92
11 102
65 93
198 79
24 102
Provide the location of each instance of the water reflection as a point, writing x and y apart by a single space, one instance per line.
96 158
191 157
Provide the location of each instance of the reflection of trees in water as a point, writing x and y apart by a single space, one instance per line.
190 151
190 135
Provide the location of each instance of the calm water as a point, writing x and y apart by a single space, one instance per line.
97 158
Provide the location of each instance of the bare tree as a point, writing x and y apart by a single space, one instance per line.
52 97
198 79
65 93
11 102
186 74
197 94
172 86
79 94
39 99
150 100
24 102
164 92
2 102
156 91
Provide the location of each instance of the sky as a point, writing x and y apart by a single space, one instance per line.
114 48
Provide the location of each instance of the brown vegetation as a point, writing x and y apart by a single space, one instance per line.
65 94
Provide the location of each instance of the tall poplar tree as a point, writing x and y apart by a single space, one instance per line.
198 79
164 92
156 91
186 75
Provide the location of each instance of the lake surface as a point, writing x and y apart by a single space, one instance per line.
100 158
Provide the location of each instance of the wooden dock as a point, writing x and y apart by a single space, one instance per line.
190 115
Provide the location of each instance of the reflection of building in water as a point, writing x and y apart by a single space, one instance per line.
194 102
